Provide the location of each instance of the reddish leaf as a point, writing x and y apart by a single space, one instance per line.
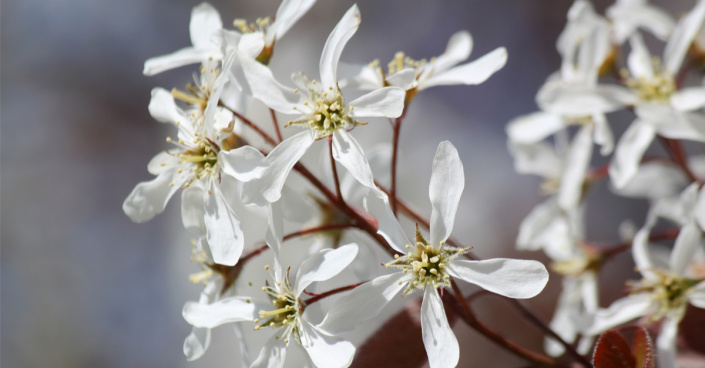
612 351
692 327
398 343
643 349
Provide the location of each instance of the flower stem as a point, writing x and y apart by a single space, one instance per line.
675 150
395 152
318 297
276 124
334 169
254 126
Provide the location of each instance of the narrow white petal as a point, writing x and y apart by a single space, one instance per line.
447 183
538 225
513 278
630 149
233 309
260 78
161 162
534 127
621 311
639 61
384 102
272 354
472 73
205 21
438 338
377 205
150 197
603 134
580 99
640 252
654 180
324 350
244 164
267 188
576 165
348 152
403 79
323 265
364 302
196 343
179 58
666 343
224 234
193 209
699 209
681 38
163 108
563 318
458 49
289 12
687 242
697 295
335 43
537 158
275 228
689 99
683 125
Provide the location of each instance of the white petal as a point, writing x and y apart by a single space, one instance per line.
260 78
627 16
513 278
578 100
630 149
538 159
272 354
699 209
641 253
438 338
538 225
563 317
323 265
362 77
197 343
289 12
689 99
687 242
639 61
325 350
384 102
150 197
576 166
335 43
458 49
275 228
472 73
603 134
681 38
403 79
377 205
364 302
193 210
654 180
267 188
233 309
683 125
534 127
244 164
621 311
225 236
205 21
447 183
162 162
348 152
666 343
163 108
697 295
185 56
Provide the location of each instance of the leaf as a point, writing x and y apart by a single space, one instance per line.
398 343
643 349
612 351
692 327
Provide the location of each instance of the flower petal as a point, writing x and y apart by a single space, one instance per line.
472 73
438 338
447 183
150 197
404 79
534 127
458 49
537 158
272 354
513 278
244 164
348 152
275 228
225 237
364 302
323 265
541 224
335 43
681 38
233 309
576 165
325 350
267 188
689 99
630 149
639 61
384 102
377 205
697 295
185 56
162 162
688 241
666 343
192 209
581 99
289 12
621 311
205 21
196 343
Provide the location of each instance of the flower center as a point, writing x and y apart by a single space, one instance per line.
669 292
401 62
657 89
286 313
426 264
203 158
328 112
579 265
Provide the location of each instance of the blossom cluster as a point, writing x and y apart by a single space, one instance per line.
607 67
223 161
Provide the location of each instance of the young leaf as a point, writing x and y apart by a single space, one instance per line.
612 351
643 349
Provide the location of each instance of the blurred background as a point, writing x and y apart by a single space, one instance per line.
83 286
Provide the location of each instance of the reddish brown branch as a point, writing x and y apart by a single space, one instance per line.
318 297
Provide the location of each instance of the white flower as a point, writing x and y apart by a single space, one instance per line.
668 284
410 74
428 265
195 167
321 110
629 15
